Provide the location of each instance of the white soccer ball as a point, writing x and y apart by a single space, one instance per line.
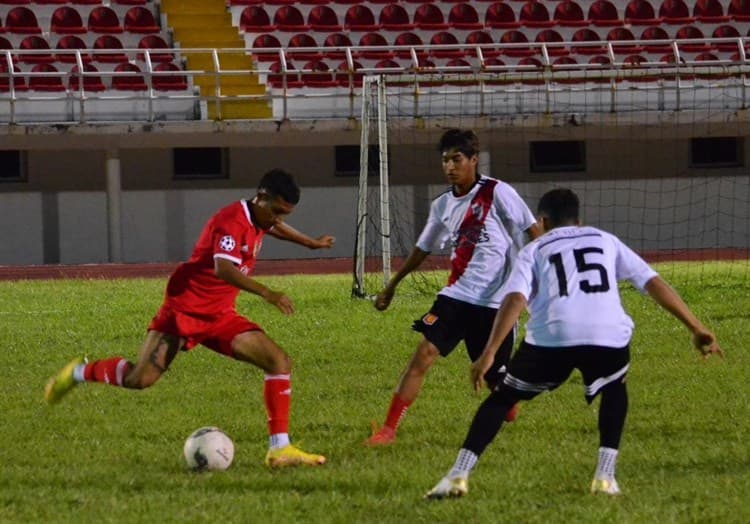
208 448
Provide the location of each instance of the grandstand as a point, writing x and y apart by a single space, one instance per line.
103 101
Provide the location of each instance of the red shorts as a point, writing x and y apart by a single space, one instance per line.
214 332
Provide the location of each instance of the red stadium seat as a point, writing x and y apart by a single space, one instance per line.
443 38
500 15
90 83
656 33
323 18
276 78
395 18
675 12
5 44
255 19
566 63
266 41
464 16
604 13
51 83
407 39
623 34
103 19
50 2
360 18
587 35
19 83
128 2
640 12
66 20
22 20
336 40
482 38
110 43
71 42
516 37
289 18
349 77
569 14
375 40
530 64
430 17
551 36
128 82
535 14
739 10
689 32
140 19
154 43
317 74
726 31
709 11
297 45
38 44
171 82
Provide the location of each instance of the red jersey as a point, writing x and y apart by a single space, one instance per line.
230 234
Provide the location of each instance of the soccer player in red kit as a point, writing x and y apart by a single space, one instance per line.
199 308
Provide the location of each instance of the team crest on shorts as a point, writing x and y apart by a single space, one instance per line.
429 319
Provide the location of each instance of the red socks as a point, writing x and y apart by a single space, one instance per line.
277 394
109 371
396 412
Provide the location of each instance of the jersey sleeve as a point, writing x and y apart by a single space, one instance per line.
434 232
512 208
226 239
521 278
631 267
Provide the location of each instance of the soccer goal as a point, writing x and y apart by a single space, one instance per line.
671 182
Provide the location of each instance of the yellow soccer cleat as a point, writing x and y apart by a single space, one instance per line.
605 485
448 488
292 456
59 385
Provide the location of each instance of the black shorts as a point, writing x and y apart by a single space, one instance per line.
450 321
534 369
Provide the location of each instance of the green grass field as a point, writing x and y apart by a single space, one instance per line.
110 455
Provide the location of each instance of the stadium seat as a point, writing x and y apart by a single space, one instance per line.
90 83
127 2
535 14
297 45
336 40
50 2
153 43
407 39
641 12
276 77
317 74
656 33
709 11
688 32
675 12
323 18
5 44
464 16
360 18
445 38
37 45
289 18
604 13
266 41
726 31
103 19
482 38
128 82
171 82
140 19
531 64
551 36
66 20
50 83
88 2
111 44
569 14
623 34
566 63
71 42
587 35
375 40
349 76
22 20
500 15
429 17
19 83
394 17
515 36
255 19
739 10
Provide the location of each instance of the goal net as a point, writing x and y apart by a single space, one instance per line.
669 180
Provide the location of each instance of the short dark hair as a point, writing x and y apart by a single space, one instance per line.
279 183
464 140
560 206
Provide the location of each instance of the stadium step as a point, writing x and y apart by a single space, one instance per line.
206 24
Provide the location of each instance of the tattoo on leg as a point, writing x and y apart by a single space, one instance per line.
153 358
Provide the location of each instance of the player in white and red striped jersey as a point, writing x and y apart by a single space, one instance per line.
567 278
484 221
199 308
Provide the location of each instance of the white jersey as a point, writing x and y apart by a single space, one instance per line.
569 276
485 230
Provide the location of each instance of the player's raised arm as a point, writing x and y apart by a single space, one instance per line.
703 339
284 231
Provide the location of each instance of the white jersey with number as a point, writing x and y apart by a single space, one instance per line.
569 277
485 231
